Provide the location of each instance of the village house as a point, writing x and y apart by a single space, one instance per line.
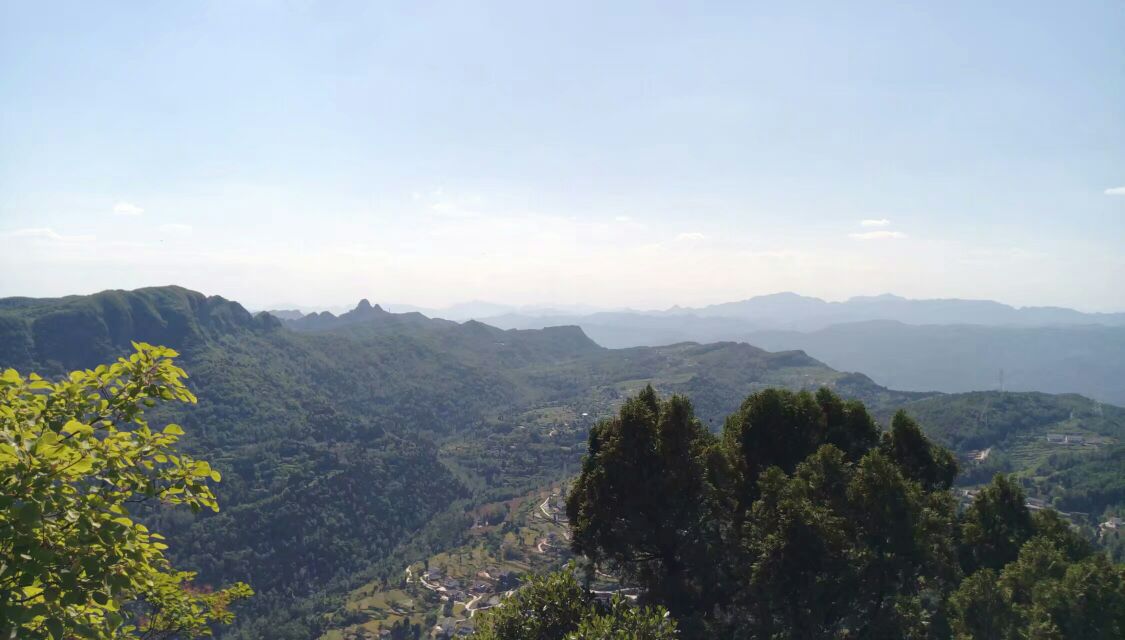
444 628
507 580
978 455
1059 438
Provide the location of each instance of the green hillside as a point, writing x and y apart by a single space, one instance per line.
341 445
1064 448
350 450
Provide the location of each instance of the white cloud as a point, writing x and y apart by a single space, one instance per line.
1008 254
447 205
127 209
38 232
874 222
48 234
690 236
176 228
877 235
1115 191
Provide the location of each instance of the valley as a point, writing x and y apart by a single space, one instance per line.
370 444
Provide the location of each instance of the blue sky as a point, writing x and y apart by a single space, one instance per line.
612 154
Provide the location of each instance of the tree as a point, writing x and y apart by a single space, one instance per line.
557 607
642 500
780 428
622 620
1044 594
904 547
933 466
847 425
995 526
547 607
773 427
800 582
798 522
979 609
838 548
74 456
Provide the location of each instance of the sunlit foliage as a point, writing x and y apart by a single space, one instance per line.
75 455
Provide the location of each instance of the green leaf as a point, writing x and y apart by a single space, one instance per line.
173 430
81 467
46 444
29 513
7 454
75 426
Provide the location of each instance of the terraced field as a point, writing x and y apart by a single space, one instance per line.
510 540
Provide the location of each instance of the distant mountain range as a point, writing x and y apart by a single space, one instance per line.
795 312
1085 359
921 345
792 311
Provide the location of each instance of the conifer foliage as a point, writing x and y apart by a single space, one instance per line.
803 520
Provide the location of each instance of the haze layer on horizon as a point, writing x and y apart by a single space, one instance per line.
644 155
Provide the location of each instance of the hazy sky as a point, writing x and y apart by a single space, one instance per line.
606 153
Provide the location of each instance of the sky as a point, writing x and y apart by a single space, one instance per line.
609 154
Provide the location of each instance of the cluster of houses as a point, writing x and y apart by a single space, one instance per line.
452 628
1059 438
484 591
1069 439
978 455
966 496
554 508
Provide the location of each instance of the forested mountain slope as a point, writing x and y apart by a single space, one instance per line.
350 447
